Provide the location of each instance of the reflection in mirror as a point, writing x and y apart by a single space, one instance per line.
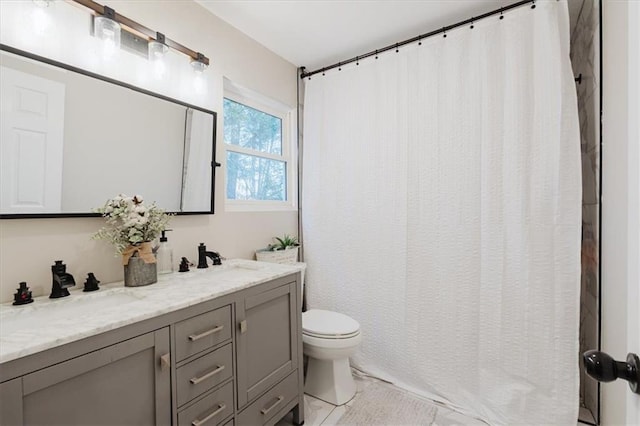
71 140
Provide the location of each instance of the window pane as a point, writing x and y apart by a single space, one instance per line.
255 178
249 128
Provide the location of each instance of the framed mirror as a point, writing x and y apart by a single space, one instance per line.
71 139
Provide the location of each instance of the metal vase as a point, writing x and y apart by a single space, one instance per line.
139 273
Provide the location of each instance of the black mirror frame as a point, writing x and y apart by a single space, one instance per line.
214 163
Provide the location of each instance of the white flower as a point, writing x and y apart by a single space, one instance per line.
129 221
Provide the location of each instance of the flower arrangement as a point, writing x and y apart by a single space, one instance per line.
130 222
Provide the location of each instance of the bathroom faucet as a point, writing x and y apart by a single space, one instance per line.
61 280
203 254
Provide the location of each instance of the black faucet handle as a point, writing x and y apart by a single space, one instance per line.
184 265
215 257
23 295
91 283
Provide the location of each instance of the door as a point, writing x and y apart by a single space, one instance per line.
266 340
125 384
32 126
621 201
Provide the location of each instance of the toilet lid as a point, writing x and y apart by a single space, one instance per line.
328 324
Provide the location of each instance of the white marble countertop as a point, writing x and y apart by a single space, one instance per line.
47 323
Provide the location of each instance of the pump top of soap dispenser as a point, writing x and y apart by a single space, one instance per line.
163 238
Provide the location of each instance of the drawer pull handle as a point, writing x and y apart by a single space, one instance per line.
266 411
195 337
196 380
221 408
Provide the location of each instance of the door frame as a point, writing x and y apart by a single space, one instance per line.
620 237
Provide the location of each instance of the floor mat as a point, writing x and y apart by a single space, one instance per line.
382 404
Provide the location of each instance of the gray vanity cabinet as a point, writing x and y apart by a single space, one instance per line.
126 383
11 402
231 360
267 350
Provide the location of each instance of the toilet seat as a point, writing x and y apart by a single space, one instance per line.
330 336
322 324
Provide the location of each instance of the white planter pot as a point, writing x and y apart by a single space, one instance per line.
288 256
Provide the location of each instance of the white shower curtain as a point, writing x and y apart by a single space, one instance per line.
441 209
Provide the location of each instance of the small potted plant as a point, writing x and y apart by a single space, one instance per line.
283 250
130 227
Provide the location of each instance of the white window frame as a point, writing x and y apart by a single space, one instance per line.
289 155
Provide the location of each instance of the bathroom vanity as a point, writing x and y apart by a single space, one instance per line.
220 346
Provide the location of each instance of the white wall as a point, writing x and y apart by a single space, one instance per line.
620 213
29 246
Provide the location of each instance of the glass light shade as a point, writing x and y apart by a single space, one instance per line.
108 30
198 66
43 3
157 50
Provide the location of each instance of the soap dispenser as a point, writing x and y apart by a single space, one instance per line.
164 255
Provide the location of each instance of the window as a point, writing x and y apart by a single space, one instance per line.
260 165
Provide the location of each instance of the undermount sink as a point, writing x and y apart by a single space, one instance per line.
55 316
253 266
74 308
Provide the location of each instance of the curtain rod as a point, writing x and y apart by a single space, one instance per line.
442 30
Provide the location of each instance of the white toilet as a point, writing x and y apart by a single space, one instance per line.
329 339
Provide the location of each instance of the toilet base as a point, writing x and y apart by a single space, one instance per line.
330 380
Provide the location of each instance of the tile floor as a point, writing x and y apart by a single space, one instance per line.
318 412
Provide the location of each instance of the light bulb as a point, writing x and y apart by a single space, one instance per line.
157 50
198 66
43 3
107 30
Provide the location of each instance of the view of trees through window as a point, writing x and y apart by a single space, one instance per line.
255 167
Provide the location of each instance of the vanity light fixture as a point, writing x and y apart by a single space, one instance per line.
106 28
157 48
158 44
198 64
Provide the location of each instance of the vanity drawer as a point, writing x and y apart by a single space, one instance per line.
265 407
210 410
202 332
203 373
